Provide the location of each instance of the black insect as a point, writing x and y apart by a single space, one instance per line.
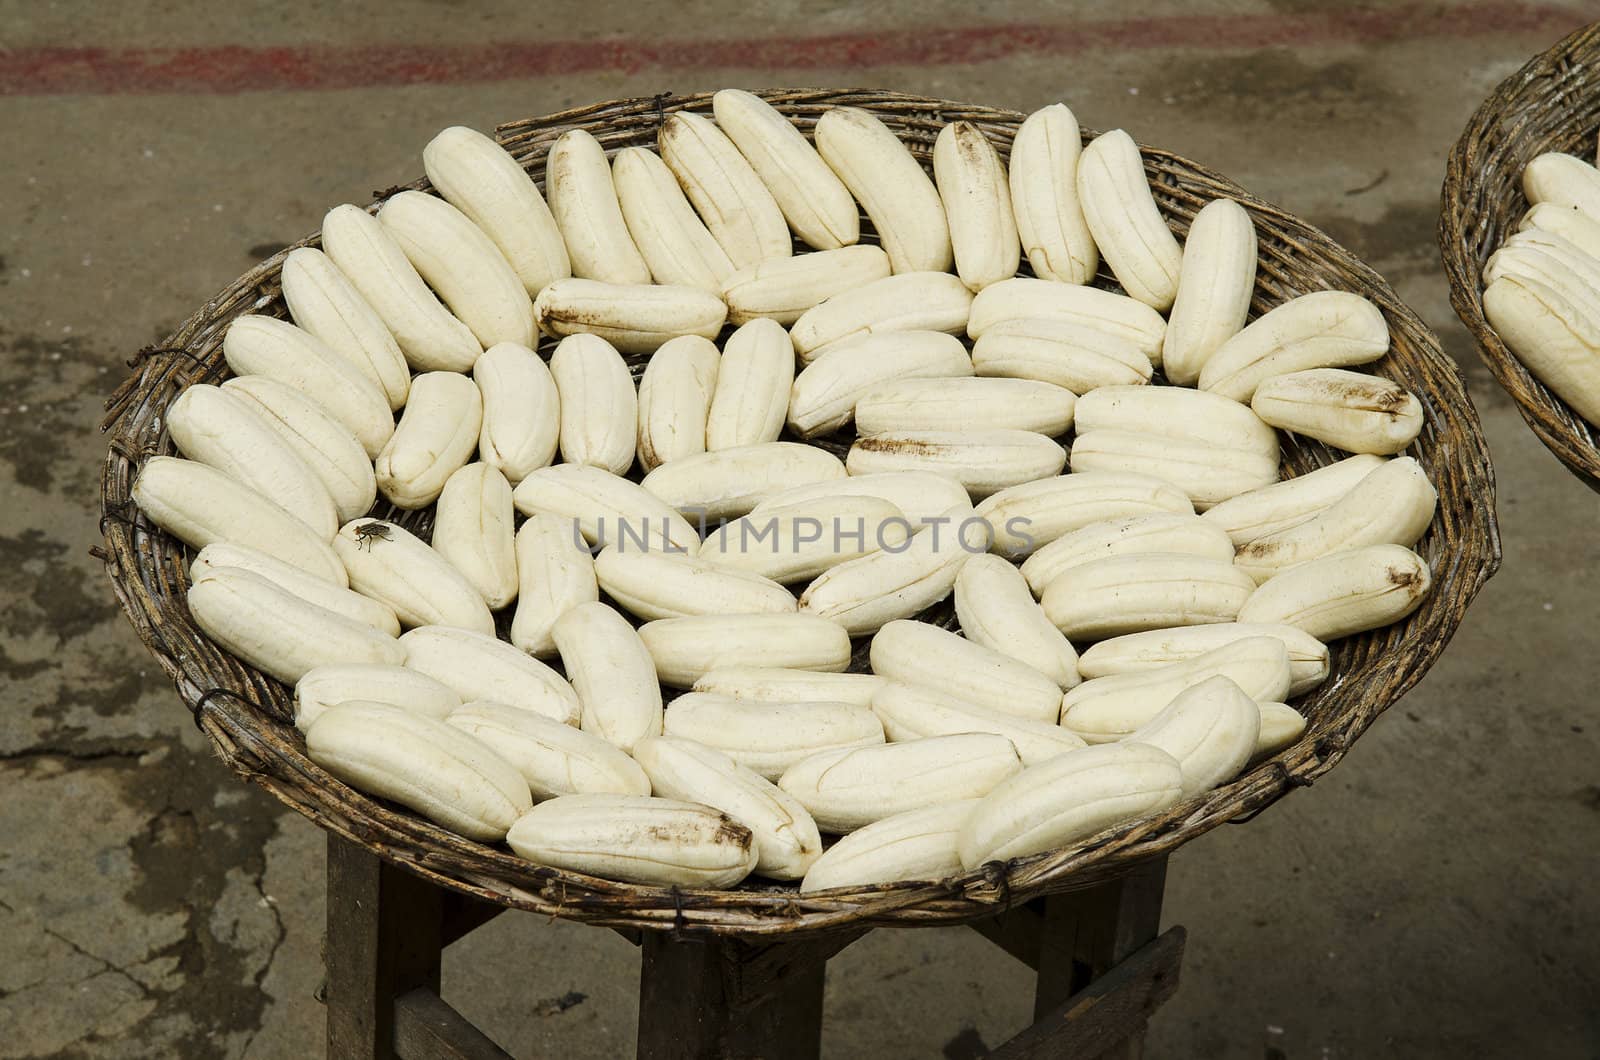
366 533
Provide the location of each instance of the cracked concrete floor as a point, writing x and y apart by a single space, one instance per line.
1433 897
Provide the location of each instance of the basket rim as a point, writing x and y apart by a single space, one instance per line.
248 732
1551 419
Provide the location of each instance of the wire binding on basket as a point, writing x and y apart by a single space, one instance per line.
1551 104
251 723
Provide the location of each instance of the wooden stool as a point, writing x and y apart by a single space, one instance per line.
1103 971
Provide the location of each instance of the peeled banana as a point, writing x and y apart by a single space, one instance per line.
915 845
675 399
1044 197
555 573
825 393
309 587
651 585
919 653
521 411
1277 507
1208 474
437 435
1126 223
965 404
1211 729
326 445
769 737
916 712
388 563
476 666
1138 652
606 508
738 209
783 289
612 672
1027 517
1214 288
907 301
1178 413
983 461
797 542
599 407
1167 532
673 241
973 186
1564 180
997 610
1029 298
634 318
323 302
473 530
775 684
751 398
891 185
922 496
685 649
583 201
324 688
729 482
1128 594
1347 410
864 594
1327 329
554 759
1063 352
1344 593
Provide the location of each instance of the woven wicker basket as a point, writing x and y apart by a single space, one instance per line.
1551 104
248 715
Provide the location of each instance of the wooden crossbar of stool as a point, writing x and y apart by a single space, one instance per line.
1103 970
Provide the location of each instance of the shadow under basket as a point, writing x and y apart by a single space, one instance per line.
248 715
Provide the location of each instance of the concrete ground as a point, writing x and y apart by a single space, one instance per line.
1433 897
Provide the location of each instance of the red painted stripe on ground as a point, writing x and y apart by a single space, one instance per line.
231 69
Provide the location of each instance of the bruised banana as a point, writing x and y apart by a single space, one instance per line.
769 737
965 404
864 594
921 496
388 563
1347 410
423 764
983 461
436 436
1140 652
775 684
1208 474
324 688
673 241
636 839
605 508
463 265
583 201
635 318
1178 413
334 454
814 201
599 407
1391 506
200 505
1027 517
823 398
1068 354
476 666
611 670
751 398
1326 329
916 712
1126 223
1211 729
473 530
850 788
918 653
298 581
977 203
1214 289
685 649
783 289
1129 594
908 301
675 399
730 482
323 302
652 585
1166 532
891 185
554 759
521 411
741 213
1030 298
797 542
996 610
555 573
1044 197
431 338
478 177
1344 593
915 845
1277 507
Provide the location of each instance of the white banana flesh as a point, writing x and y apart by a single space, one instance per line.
1557 338
1064 352
983 461
607 508
1130 594
1027 517
917 712
1326 329
770 737
423 764
907 301
258 345
478 177
277 632
976 194
673 241
652 585
1030 298
775 684
1044 197
922 496
814 201
686 649
463 265
635 318
1347 410
797 542
1126 223
751 399
599 407
1277 507
636 839
915 845
583 201
324 688
323 302
918 653
1551 260
675 400
1168 532
334 454
216 428
862 595
729 482
823 398
473 529
389 563
1564 180
1392 506
200 505
437 435
900 199
1344 593
1208 474
1177 413
997 610
521 411
476 666
554 759
309 587
786 838
1214 288
965 404
1139 652
1572 225
783 289
738 209
1280 726
431 339
1210 728
612 672
851 788
555 573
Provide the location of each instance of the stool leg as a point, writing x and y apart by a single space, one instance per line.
384 939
